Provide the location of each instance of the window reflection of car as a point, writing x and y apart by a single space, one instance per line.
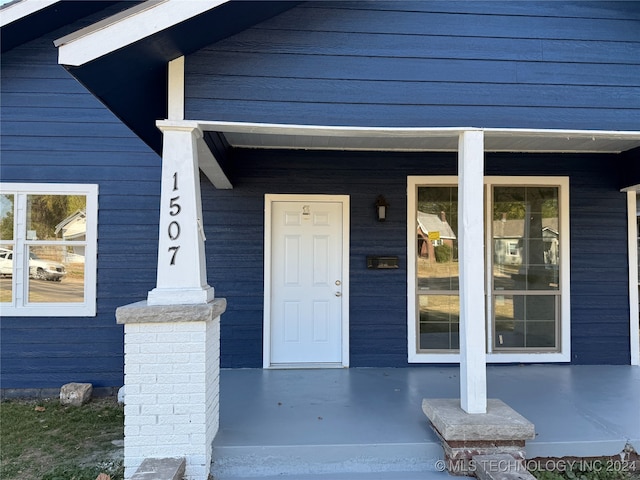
45 269
6 262
38 268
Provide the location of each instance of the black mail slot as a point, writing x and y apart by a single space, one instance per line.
382 262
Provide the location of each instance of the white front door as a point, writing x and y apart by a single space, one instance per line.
306 282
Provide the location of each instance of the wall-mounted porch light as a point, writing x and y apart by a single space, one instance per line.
381 208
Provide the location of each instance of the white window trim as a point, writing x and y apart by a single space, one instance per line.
19 307
565 302
634 324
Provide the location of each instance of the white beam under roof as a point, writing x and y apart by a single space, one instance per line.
14 11
128 27
312 137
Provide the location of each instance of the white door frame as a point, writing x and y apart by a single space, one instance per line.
268 201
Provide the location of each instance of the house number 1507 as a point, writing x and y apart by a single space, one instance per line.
173 230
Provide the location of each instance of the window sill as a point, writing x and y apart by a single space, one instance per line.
493 358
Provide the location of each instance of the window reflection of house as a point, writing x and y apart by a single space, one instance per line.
508 241
434 231
74 228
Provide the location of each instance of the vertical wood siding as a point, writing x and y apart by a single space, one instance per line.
566 65
378 317
53 130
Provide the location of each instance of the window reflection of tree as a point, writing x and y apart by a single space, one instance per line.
522 320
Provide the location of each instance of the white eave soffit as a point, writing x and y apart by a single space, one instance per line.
276 136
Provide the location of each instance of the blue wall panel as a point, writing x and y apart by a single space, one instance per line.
233 222
55 131
484 64
557 65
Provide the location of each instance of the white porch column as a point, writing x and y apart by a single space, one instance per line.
182 275
473 372
172 341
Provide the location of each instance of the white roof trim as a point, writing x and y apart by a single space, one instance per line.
323 137
128 27
15 11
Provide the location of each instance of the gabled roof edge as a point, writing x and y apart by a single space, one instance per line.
127 28
20 9
27 20
127 73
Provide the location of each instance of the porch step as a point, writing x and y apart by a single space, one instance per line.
360 476
357 462
500 466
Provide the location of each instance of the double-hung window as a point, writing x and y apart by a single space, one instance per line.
48 241
526 308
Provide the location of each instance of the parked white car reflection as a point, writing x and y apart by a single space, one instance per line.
38 268
6 262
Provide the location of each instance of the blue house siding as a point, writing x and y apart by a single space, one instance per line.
378 315
54 131
483 64
544 65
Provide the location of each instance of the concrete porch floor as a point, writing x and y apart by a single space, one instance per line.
346 423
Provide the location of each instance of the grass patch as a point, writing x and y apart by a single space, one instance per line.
43 440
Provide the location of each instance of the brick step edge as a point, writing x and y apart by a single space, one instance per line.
160 469
501 466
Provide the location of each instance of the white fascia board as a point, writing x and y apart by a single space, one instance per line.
128 27
294 129
576 141
496 139
15 11
291 136
328 130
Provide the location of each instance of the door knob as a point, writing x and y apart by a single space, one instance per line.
338 294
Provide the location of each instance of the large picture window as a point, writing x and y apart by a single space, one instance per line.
48 236
526 257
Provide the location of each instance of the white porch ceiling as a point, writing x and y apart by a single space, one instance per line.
272 136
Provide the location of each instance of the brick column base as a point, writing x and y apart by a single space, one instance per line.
459 456
171 378
501 430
